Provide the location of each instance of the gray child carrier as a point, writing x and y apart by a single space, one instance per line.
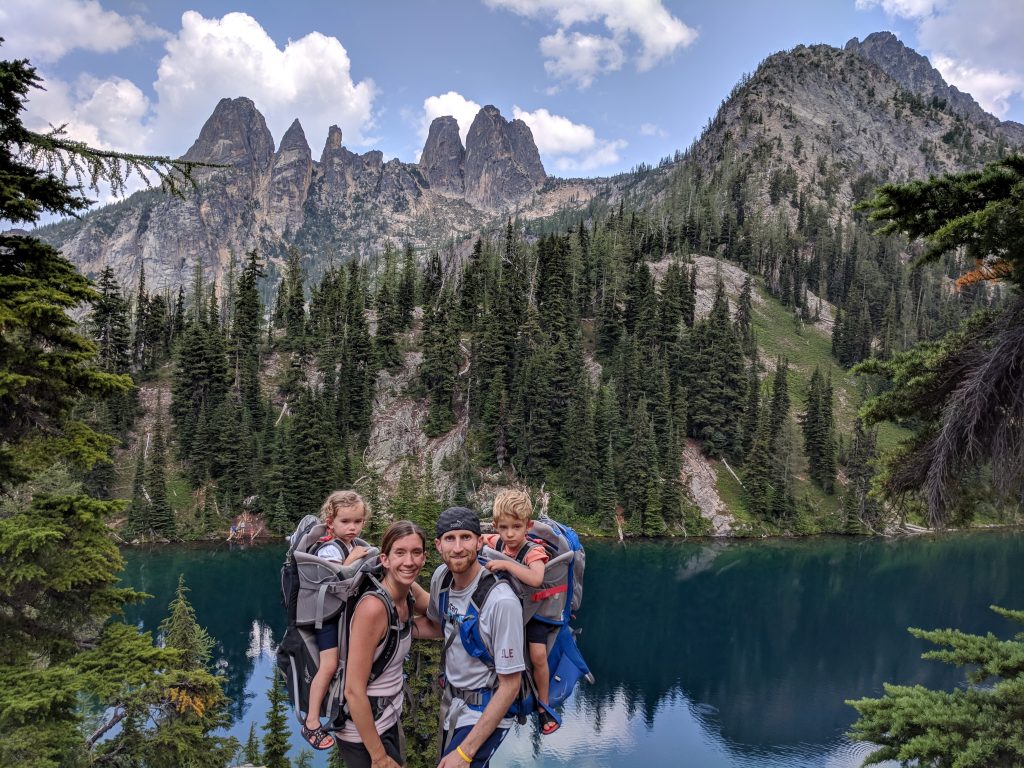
315 592
561 592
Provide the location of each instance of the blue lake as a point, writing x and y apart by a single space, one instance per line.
705 653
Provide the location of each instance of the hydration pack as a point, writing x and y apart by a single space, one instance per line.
315 592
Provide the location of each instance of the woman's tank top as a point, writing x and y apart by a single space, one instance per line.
390 683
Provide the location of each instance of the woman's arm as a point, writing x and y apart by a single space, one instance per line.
369 625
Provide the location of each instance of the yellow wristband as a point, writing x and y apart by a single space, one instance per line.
463 754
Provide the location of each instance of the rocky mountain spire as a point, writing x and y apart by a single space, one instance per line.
290 176
915 73
443 157
235 134
502 163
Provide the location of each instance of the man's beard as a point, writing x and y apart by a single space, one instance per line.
459 564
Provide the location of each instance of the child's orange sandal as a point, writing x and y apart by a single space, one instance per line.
318 738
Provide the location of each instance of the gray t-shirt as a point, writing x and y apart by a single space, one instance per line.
501 628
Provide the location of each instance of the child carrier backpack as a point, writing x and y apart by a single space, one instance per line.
316 591
553 602
561 592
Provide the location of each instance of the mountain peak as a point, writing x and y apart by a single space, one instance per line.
235 134
915 73
444 156
502 161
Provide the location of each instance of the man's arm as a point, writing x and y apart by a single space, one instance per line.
493 714
425 629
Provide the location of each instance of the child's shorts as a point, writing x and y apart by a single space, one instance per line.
327 636
537 631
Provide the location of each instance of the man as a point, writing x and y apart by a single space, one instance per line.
472 607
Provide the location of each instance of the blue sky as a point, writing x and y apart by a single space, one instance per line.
604 84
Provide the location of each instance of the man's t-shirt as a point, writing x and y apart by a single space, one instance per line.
501 628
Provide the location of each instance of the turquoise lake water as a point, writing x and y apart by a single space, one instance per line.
706 653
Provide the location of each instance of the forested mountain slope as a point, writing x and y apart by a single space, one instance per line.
666 350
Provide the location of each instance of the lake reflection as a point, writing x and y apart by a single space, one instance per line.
706 654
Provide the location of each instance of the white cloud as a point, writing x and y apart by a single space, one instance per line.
310 78
570 147
46 31
908 9
451 103
103 113
991 88
206 60
975 44
582 57
650 129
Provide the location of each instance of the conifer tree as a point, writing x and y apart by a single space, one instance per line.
439 368
471 294
294 302
251 752
109 324
745 320
433 277
581 460
244 347
138 509
275 729
385 342
751 412
407 289
640 468
716 404
974 725
357 358
862 511
181 631
161 517
61 567
139 319
309 474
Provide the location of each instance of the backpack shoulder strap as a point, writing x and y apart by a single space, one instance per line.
521 554
524 551
394 632
488 581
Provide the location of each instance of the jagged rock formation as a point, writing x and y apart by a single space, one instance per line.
235 135
502 162
915 73
269 200
290 177
443 160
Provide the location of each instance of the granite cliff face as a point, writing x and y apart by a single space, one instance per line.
502 162
443 160
269 200
291 173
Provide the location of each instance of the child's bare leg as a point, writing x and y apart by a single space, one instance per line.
539 659
318 685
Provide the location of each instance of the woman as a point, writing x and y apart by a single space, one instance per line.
366 741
